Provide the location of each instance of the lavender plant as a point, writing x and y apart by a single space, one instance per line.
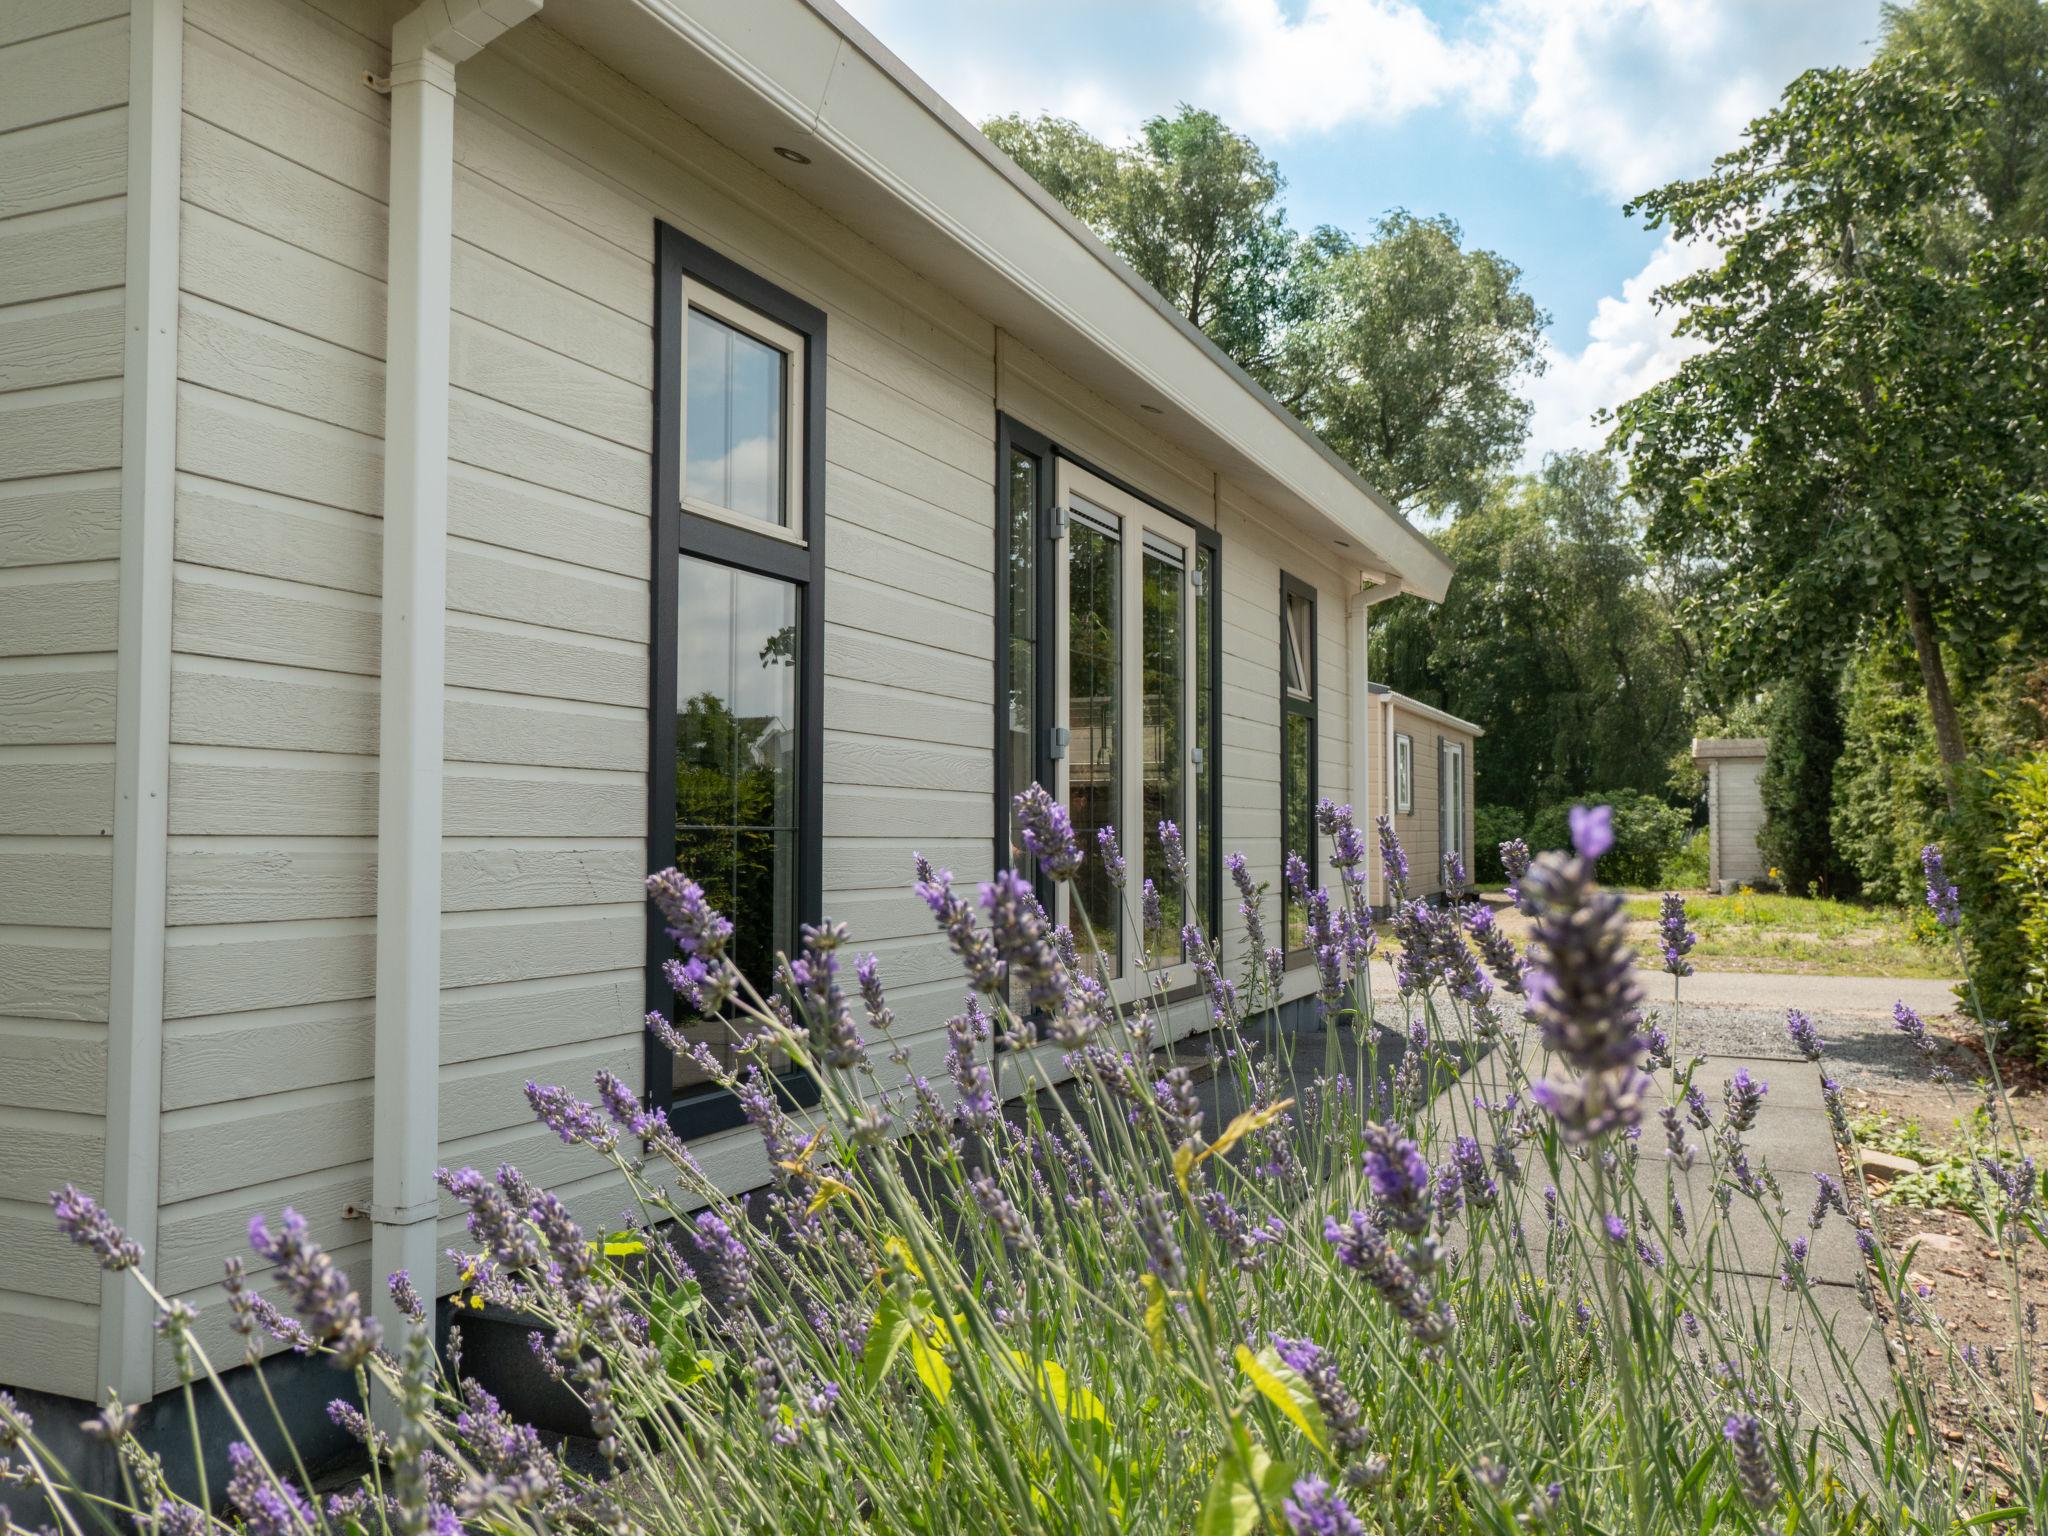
1013 1274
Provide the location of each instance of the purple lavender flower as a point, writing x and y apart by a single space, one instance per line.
1294 875
1400 1178
1914 1028
1113 863
1314 1508
1468 1167
1361 1246
1514 858
1453 873
975 949
1793 1274
973 1084
623 1104
1676 939
698 929
1047 832
1163 1257
82 1219
1943 899
868 971
1347 844
1174 853
1016 925
405 1296
1805 1038
1151 914
1393 861
2017 1182
1744 1097
720 1261
1496 948
1827 1196
320 1292
1342 1415
576 1122
1001 1210
1581 986
1592 831
268 1505
1745 1435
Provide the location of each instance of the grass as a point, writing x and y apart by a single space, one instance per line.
1755 931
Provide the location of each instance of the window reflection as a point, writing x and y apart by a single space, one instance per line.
1205 766
1165 742
736 762
1093 717
1023 661
734 456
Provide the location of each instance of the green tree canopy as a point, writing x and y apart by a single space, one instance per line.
1554 635
1403 351
1192 206
1407 357
1862 436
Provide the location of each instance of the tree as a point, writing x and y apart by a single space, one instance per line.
1192 206
1861 437
1554 635
1407 357
1403 352
1999 48
1805 736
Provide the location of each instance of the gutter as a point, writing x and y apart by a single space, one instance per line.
426 46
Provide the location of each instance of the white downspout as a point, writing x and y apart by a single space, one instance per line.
426 45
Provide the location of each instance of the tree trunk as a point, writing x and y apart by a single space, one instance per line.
1941 704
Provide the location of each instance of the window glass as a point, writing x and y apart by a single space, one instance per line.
1205 742
1093 720
1022 682
1298 740
1404 774
733 413
1296 650
1164 734
736 755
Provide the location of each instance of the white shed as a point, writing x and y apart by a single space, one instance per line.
1734 770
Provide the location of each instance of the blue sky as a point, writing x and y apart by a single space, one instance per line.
1530 122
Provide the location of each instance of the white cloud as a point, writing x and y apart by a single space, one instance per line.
1339 62
1635 92
1629 347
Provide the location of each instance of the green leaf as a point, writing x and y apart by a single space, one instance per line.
930 1366
885 1337
1231 1506
1281 1385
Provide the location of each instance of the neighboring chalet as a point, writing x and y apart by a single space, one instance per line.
454 460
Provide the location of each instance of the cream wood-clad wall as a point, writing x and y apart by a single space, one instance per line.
562 169
63 182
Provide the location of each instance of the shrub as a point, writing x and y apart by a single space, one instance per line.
1492 825
1996 843
1647 834
1690 867
1805 739
1107 1312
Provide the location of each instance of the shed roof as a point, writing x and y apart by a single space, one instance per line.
1427 711
891 160
1708 748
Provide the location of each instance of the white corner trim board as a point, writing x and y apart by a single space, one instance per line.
142 688
426 46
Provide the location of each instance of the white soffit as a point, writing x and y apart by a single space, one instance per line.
895 164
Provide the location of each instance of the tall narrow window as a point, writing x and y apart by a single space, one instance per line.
1208 743
1298 728
1020 677
1450 759
1166 729
736 781
1095 718
1404 774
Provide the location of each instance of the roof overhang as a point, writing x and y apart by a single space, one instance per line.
1427 711
895 164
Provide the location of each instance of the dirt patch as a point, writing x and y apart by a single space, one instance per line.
1964 1348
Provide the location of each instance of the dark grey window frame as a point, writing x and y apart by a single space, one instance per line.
677 533
1014 436
1311 707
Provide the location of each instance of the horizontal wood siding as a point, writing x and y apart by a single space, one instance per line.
63 165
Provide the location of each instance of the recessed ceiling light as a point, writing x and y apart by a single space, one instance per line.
793 156
1147 405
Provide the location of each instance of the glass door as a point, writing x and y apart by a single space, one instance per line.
1125 598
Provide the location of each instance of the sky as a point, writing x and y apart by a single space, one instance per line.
1530 122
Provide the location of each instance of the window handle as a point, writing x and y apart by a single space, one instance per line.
1058 529
1056 743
